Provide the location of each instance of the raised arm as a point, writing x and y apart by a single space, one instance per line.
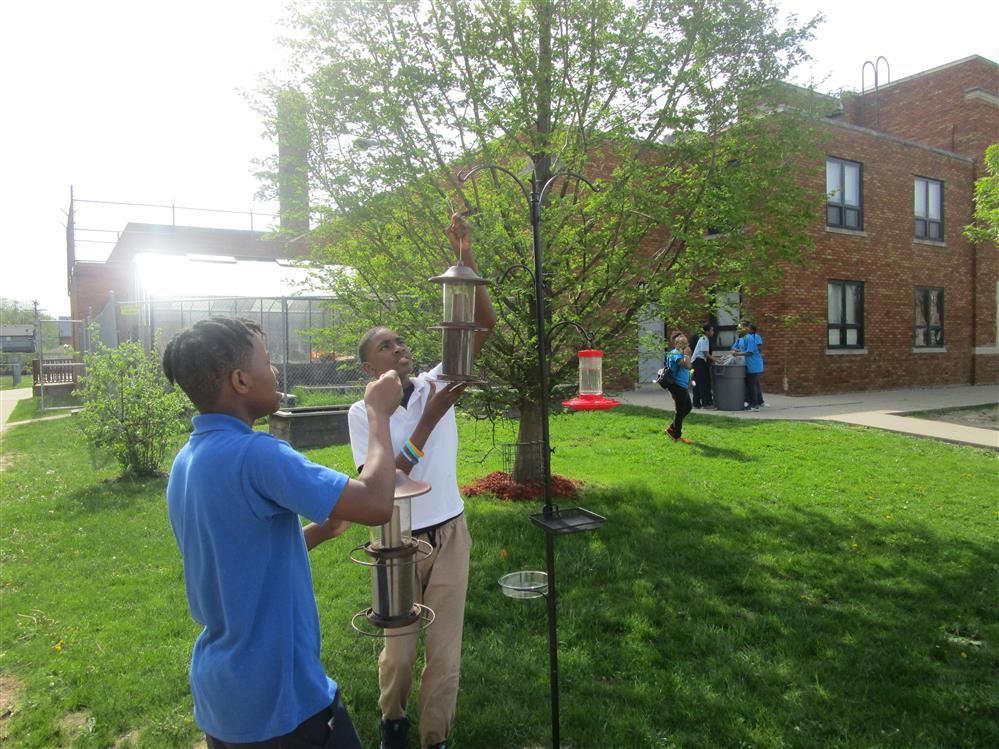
368 498
459 232
443 395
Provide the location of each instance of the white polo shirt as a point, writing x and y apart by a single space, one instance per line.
439 464
701 350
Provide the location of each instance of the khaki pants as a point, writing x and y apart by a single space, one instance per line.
442 580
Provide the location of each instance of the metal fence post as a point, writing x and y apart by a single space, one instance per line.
284 365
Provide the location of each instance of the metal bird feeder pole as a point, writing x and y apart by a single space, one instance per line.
551 519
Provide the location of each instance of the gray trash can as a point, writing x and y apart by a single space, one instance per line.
730 386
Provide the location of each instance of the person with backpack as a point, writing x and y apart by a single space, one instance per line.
678 364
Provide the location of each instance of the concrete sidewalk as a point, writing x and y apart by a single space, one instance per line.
9 399
877 409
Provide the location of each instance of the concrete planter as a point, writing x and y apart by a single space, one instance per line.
311 426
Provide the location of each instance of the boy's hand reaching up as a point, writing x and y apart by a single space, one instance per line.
443 395
459 231
384 394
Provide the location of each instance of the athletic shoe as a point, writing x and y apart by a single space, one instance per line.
685 441
754 408
394 733
669 430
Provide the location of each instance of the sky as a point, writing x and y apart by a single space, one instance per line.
132 101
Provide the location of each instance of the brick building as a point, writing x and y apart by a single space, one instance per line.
896 296
91 283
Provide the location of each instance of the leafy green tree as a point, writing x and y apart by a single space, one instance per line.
986 226
129 410
16 312
660 103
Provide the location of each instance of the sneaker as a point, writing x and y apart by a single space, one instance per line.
669 430
754 408
395 733
685 441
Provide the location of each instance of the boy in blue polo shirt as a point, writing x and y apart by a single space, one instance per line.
234 498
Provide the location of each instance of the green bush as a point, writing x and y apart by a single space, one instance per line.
129 409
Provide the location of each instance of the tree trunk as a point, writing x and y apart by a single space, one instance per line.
528 463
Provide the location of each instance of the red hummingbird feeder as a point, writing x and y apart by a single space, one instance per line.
591 384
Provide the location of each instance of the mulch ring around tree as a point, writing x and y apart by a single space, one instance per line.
503 486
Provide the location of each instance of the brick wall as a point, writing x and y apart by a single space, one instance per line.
890 263
91 284
937 107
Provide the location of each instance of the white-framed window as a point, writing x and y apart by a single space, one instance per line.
929 317
725 318
928 209
845 315
844 194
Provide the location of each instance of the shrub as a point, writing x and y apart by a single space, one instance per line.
129 409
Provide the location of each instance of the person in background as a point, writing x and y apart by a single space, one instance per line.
759 380
235 497
678 362
701 360
425 442
746 346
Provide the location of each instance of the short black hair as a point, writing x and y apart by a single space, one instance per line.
198 357
362 347
706 327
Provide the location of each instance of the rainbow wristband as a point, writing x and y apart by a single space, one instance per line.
408 454
414 449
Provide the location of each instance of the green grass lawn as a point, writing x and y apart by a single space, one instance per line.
778 584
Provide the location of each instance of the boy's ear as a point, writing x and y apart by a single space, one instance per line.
239 380
367 369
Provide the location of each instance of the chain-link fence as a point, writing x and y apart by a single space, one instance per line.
306 370
58 362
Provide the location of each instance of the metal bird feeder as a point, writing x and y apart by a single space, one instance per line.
458 328
392 553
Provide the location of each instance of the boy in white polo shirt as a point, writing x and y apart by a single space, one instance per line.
425 440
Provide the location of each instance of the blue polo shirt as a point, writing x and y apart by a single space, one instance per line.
234 498
754 359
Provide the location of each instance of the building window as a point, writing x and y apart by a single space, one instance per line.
843 194
725 319
928 209
929 317
846 314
